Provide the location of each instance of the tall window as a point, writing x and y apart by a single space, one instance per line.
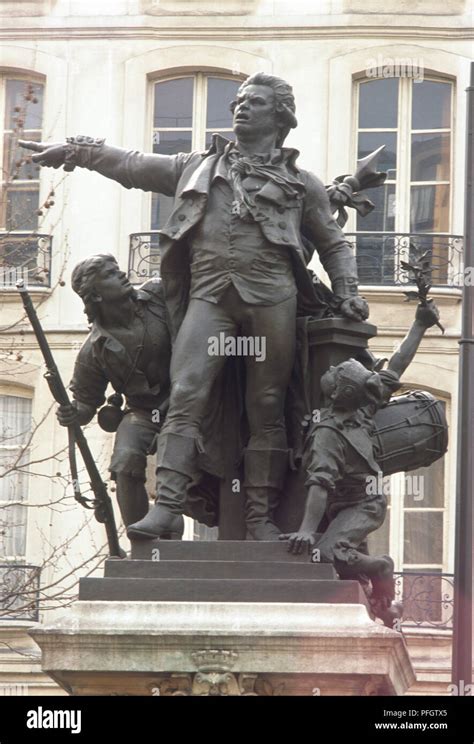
21 102
15 432
414 527
414 122
22 255
186 112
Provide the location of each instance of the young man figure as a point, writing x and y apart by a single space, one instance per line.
128 347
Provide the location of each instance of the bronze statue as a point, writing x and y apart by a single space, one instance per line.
129 347
234 251
341 460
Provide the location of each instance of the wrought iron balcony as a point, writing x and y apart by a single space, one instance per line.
427 599
19 591
144 257
379 257
25 256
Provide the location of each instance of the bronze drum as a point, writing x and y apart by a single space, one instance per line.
410 432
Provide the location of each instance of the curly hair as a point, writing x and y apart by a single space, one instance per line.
285 101
83 280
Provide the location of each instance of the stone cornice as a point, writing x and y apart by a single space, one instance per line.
234 33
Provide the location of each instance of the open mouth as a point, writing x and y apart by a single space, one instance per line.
241 117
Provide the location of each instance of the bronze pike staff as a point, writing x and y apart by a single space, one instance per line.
101 503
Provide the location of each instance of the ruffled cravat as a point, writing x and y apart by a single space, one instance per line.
269 167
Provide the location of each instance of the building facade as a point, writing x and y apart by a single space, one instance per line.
157 75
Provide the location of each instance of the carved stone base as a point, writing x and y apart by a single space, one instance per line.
220 648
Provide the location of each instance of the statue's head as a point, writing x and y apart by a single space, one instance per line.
350 385
98 279
264 103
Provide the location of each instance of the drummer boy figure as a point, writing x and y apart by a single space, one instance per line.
340 461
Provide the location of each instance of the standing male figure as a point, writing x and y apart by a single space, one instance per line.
233 261
128 346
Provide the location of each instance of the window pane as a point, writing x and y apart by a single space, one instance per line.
423 537
227 135
23 105
387 160
15 426
425 487
429 208
17 163
378 104
12 530
430 157
174 103
375 256
24 257
220 93
22 206
161 207
382 217
15 420
13 480
169 143
431 108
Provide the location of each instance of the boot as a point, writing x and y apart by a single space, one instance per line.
176 469
350 563
379 569
132 498
265 472
390 615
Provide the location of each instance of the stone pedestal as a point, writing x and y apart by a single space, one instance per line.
221 618
223 648
332 341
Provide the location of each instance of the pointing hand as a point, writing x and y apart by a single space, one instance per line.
49 155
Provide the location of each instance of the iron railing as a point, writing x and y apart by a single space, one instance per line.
19 591
144 257
379 257
25 256
427 599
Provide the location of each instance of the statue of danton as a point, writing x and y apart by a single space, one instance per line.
234 254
